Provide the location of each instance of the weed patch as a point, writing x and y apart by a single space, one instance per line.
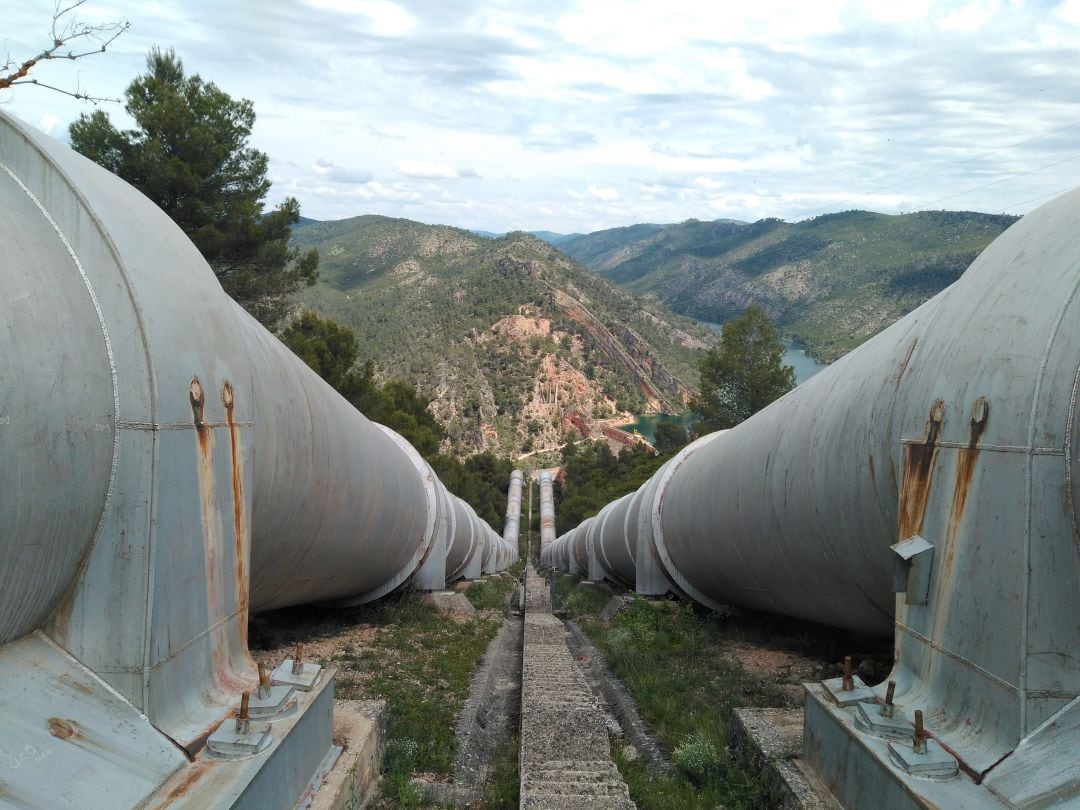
491 594
503 788
687 669
579 600
419 660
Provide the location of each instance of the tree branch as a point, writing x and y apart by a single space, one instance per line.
65 30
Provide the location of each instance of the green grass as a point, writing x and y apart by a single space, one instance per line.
491 594
669 660
579 600
421 664
669 657
502 790
418 660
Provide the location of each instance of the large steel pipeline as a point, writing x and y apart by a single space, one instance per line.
172 467
547 510
926 482
512 527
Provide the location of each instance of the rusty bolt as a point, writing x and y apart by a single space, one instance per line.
298 660
937 411
848 682
195 396
264 683
887 707
919 740
243 722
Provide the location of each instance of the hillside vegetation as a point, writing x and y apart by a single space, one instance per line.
830 282
506 336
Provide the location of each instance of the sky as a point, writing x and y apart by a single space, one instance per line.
578 115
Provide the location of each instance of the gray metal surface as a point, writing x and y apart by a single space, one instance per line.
172 466
613 547
464 544
71 725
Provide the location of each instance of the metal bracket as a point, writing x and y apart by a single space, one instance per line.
868 718
304 679
936 763
231 742
911 574
848 697
277 704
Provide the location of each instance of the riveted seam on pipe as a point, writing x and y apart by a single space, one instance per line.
158 426
994 448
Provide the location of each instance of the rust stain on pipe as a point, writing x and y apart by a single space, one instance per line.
919 462
965 472
239 523
207 506
966 461
62 729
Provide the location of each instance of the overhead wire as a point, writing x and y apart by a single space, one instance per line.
996 182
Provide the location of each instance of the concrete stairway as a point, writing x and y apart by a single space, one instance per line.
565 753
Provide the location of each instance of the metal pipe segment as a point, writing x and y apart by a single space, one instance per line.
612 548
512 527
174 467
465 549
925 483
547 510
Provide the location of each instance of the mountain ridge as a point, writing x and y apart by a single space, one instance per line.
507 336
828 283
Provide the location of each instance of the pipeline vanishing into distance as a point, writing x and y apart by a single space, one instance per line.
171 467
926 484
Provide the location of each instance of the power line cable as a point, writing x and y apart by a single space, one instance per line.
923 206
1036 199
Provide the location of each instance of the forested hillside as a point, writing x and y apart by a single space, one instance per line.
830 282
506 336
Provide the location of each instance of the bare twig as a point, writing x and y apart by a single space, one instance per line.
69 38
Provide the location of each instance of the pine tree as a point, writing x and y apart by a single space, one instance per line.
189 153
744 374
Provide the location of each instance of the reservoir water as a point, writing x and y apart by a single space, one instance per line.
805 367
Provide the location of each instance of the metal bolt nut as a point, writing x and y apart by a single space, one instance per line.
243 721
918 741
848 682
887 708
263 692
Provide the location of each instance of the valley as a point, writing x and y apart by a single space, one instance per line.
523 342
511 340
828 283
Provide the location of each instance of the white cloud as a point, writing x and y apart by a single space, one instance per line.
969 18
594 192
48 123
603 112
385 18
340 174
425 170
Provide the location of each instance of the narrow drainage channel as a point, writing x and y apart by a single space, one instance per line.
488 723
